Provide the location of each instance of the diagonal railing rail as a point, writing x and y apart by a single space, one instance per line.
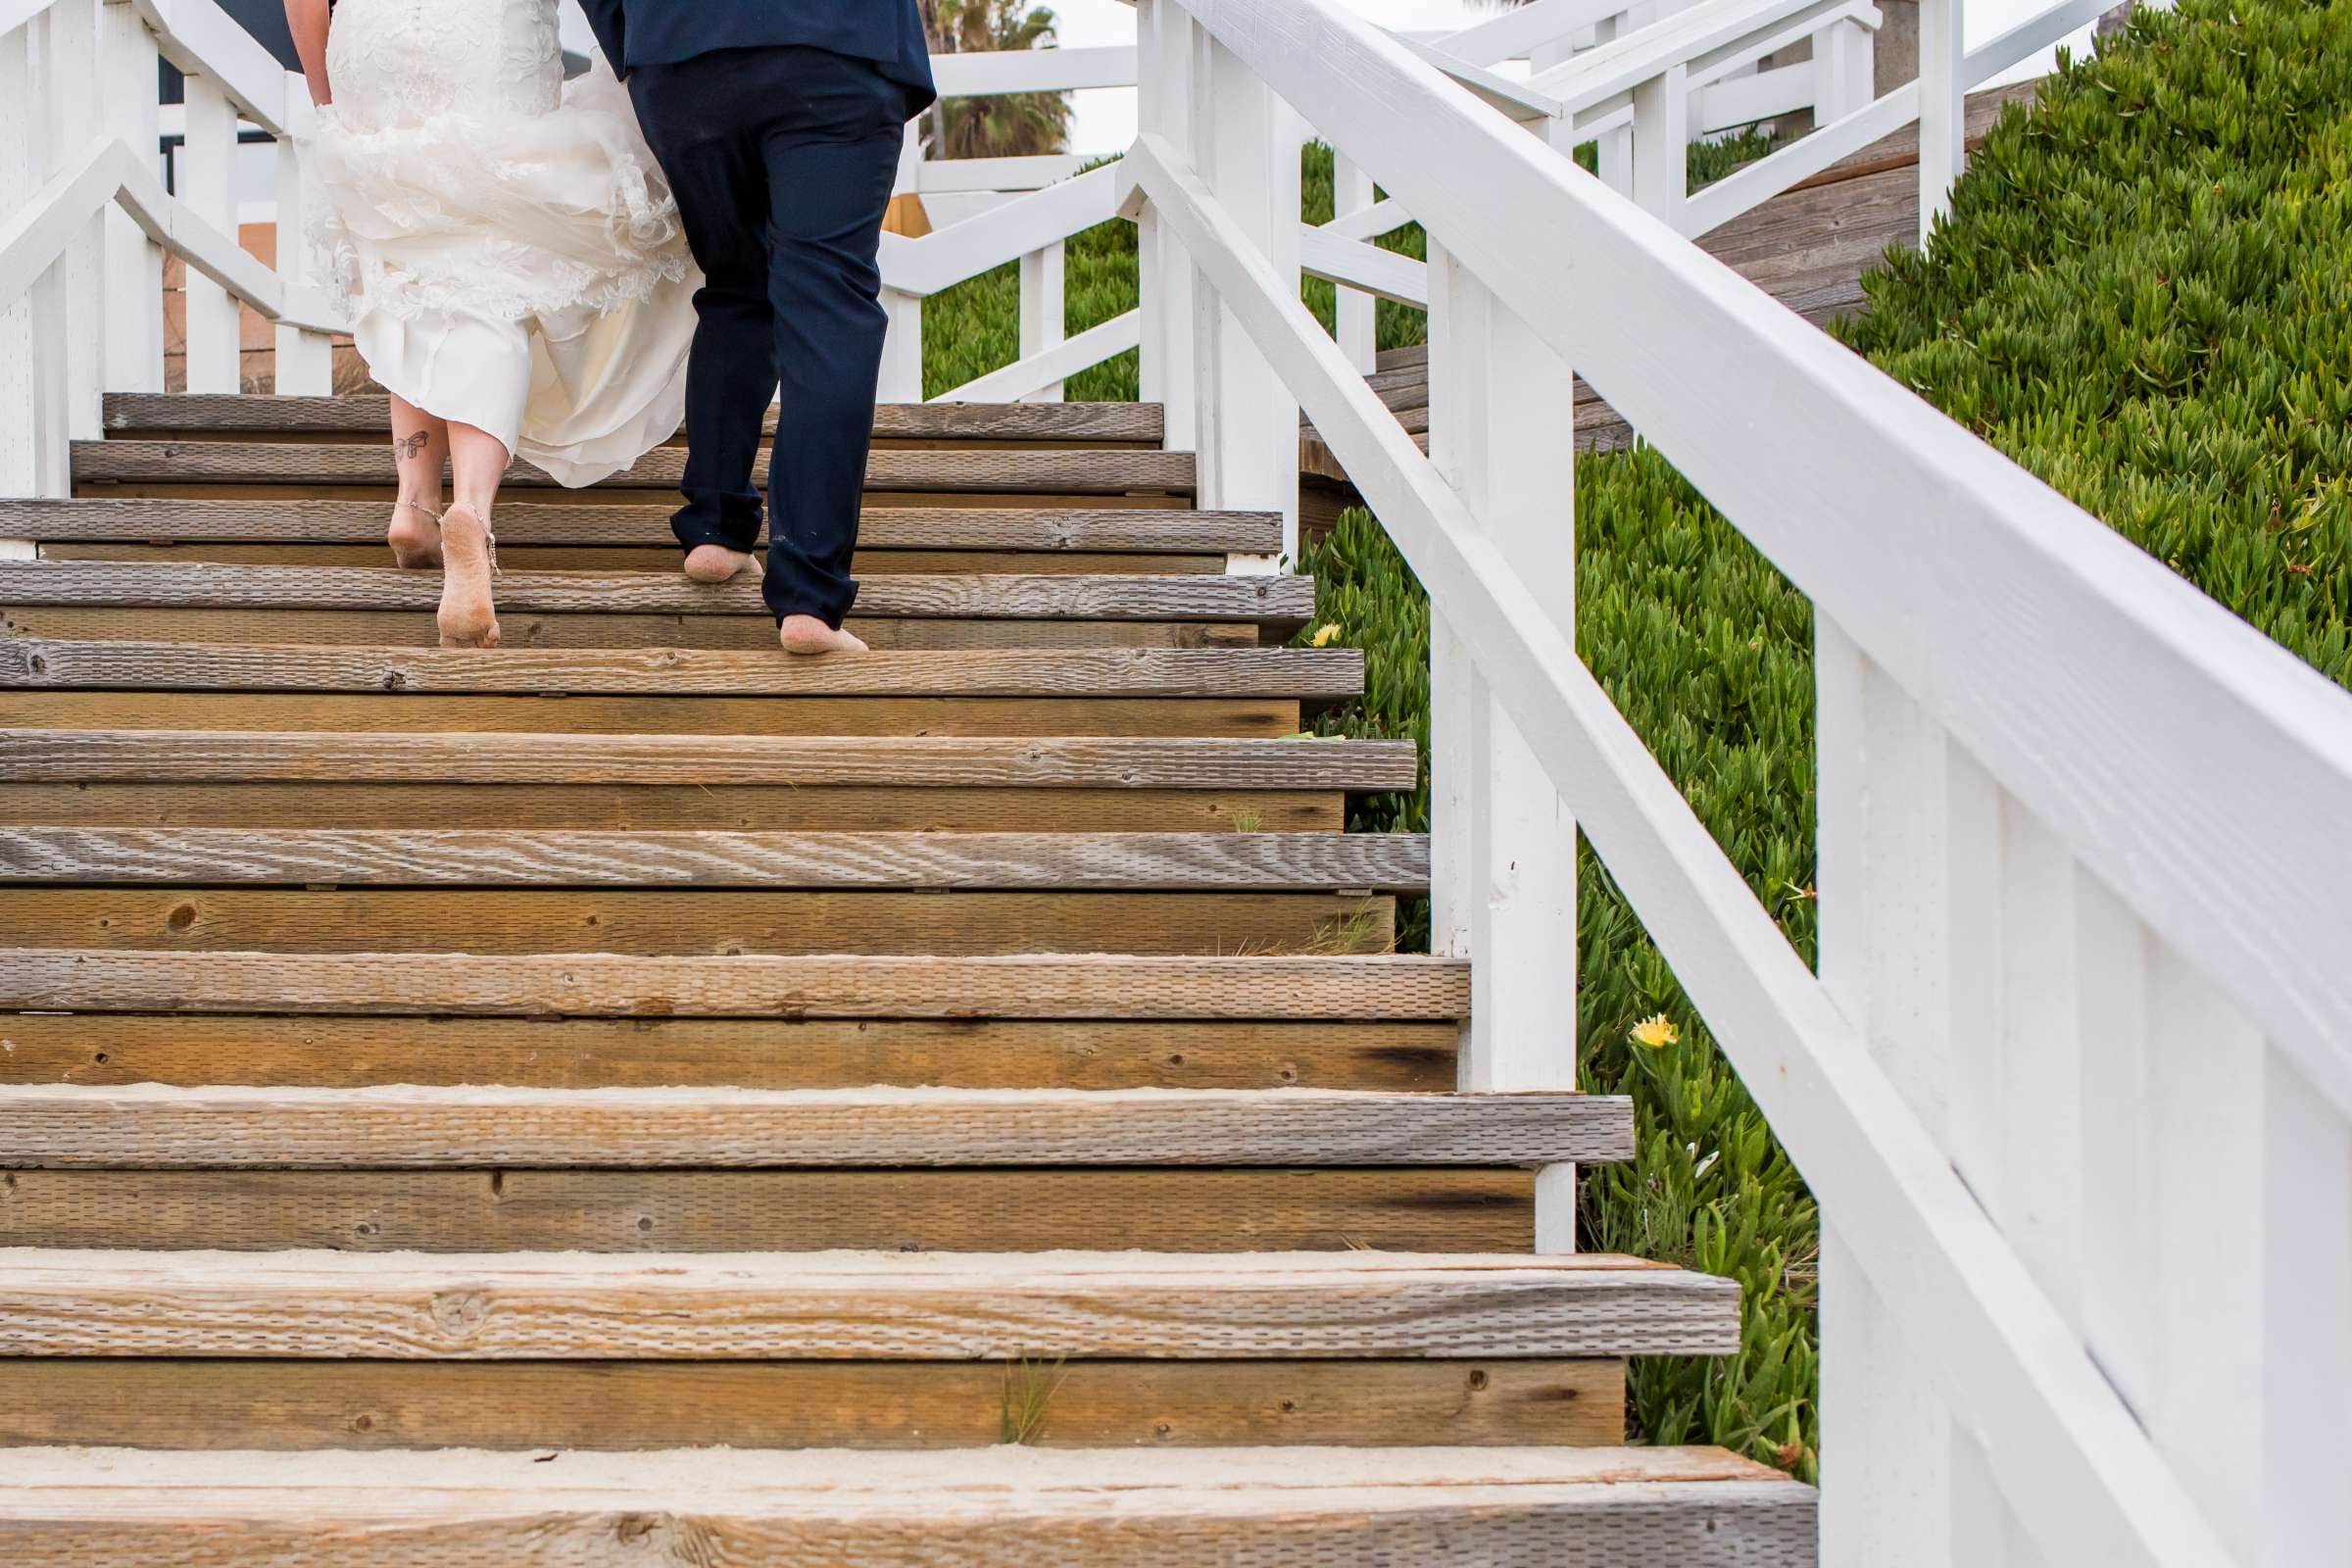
2082 834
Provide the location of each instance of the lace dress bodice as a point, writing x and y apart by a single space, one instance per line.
406 63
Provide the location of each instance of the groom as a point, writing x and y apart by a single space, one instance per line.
778 123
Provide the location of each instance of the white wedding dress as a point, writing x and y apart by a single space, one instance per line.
513 256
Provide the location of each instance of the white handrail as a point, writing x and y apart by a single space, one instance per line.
1991 654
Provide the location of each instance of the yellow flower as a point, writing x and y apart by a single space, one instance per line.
1325 636
1656 1032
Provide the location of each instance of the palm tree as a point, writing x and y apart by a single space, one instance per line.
1012 126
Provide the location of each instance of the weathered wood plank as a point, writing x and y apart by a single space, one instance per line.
1276 599
1015 1512
67 1127
105 1049
646 558
679 922
525 630
1077 471
858 1306
1393 862
676 807
534 522
1320 674
370 413
190 756
555 711
744 986
1150 1406
1231 1210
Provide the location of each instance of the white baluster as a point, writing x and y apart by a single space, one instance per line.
206 181
1662 143
1613 148
306 361
902 378
135 264
1842 57
1358 320
1503 852
1165 41
2307 1302
1245 143
1044 321
1942 109
73 70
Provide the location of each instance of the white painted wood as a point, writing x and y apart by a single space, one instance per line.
948 255
1381 218
1942 109
2306 1219
902 378
1661 139
1842 61
1739 101
305 360
2076 1465
135 261
984 74
1043 327
78 121
204 182
202 39
961 174
20 179
1356 318
1751 187
1361 267
1169 285
1885 1440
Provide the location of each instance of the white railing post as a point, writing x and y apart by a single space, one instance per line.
1843 55
1246 146
902 378
305 360
206 183
1662 145
1170 285
1502 889
1942 109
78 121
1044 321
1357 321
135 264
36 386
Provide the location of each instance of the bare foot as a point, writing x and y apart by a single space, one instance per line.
469 616
805 634
714 562
415 537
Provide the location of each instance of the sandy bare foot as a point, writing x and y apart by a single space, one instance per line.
415 537
805 634
469 616
714 562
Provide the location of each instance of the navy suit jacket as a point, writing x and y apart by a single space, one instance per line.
659 33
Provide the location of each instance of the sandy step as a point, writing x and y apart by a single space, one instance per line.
1073 471
149 1127
1000 1508
370 413
533 519
856 1306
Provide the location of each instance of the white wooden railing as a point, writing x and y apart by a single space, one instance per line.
2074 1081
85 218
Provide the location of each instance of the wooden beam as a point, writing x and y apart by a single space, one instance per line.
188 757
1396 862
1053 472
1007 1507
1322 673
857 1305
528 521
1279 599
745 986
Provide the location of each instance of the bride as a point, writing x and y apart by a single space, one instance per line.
518 277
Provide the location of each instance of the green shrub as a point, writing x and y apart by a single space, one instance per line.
2140 297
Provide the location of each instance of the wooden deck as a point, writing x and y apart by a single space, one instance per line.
1807 248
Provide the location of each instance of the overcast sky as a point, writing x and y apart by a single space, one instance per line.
1104 121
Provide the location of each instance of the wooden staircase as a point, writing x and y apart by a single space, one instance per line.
438 1089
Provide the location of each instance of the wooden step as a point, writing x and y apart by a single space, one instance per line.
1000 1508
648 559
857 1305
187 757
1287 1209
362 415
386 1406
148 1127
596 985
1390 863
533 520
102 1049
919 471
1278 601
